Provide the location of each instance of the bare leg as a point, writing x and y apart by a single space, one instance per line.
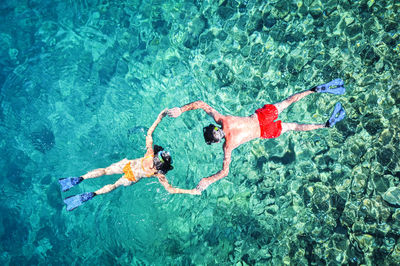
95 173
108 188
300 127
292 99
113 169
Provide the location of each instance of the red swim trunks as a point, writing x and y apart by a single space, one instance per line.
266 116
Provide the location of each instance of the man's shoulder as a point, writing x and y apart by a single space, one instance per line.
232 119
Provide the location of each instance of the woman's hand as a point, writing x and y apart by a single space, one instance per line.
195 191
174 112
163 113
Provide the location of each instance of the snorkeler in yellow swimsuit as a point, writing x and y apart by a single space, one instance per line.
156 162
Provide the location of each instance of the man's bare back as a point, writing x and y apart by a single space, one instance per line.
239 130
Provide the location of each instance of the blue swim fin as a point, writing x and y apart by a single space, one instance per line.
337 115
75 201
69 182
334 87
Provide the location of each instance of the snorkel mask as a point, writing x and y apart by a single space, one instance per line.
162 154
218 133
213 134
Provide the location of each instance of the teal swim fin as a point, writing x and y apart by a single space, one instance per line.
73 202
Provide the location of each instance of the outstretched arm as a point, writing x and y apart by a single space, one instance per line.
205 182
177 111
163 180
149 137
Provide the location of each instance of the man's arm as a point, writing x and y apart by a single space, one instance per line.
163 180
177 111
205 182
149 137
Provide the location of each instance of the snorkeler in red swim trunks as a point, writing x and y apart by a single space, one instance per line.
263 124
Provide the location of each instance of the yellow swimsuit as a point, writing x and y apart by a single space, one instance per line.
129 173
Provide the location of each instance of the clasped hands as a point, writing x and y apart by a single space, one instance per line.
174 112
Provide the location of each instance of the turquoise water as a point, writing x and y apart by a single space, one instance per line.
82 80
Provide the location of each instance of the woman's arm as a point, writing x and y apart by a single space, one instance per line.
177 111
163 180
205 182
149 137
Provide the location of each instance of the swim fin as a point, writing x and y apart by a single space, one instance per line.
73 202
334 87
337 115
69 182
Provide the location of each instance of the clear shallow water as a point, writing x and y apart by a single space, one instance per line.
80 79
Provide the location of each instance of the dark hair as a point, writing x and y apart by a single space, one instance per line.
208 134
164 165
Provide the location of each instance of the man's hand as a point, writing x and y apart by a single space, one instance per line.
174 112
203 184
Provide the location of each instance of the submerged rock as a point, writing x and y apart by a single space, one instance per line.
365 242
395 255
396 222
374 126
388 245
395 94
224 74
392 196
43 139
225 12
381 183
385 155
359 183
386 136
373 212
316 9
